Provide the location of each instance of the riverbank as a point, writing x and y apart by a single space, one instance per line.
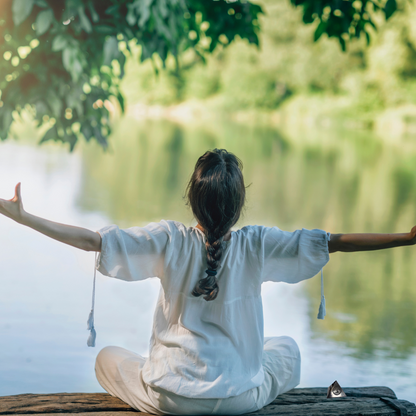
300 114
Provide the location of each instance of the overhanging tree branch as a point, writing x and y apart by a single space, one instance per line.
64 59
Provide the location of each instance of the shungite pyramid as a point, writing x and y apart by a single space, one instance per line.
335 390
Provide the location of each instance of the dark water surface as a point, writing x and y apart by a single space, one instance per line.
337 181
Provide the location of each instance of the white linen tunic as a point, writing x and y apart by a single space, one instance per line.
212 349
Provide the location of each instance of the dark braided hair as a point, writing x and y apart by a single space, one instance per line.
216 194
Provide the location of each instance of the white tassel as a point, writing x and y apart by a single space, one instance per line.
322 311
91 338
90 321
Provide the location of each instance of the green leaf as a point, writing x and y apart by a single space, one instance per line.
163 8
105 30
67 58
367 36
120 99
7 121
85 22
41 109
307 17
307 14
146 52
320 30
72 62
122 62
79 108
86 130
390 8
43 21
110 50
21 10
371 23
41 3
94 14
113 10
59 42
76 70
51 134
131 16
73 100
161 27
99 137
129 34
144 10
72 140
55 103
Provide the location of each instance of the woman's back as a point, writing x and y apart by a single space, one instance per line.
210 349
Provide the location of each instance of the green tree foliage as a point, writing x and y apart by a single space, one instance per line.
63 59
303 79
344 19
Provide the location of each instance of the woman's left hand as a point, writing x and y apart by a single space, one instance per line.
412 235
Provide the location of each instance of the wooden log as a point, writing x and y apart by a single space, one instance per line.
61 403
300 402
132 413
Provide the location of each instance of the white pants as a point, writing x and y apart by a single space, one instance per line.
119 373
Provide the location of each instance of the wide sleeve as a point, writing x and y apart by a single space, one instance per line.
293 256
135 253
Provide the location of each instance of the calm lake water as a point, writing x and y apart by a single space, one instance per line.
334 180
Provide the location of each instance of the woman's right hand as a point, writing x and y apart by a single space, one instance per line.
13 208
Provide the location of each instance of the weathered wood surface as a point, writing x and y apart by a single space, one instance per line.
377 391
131 413
300 402
359 401
62 403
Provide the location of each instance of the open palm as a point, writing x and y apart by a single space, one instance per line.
13 208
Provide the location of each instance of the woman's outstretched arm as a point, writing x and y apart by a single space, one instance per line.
366 242
74 236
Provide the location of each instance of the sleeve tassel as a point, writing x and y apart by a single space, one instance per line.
322 310
91 338
90 321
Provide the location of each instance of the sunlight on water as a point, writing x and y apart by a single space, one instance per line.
338 181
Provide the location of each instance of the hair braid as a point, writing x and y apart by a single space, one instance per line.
208 285
216 193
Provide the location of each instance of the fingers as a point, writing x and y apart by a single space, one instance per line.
17 190
17 195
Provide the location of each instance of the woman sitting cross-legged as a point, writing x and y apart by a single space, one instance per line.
207 354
